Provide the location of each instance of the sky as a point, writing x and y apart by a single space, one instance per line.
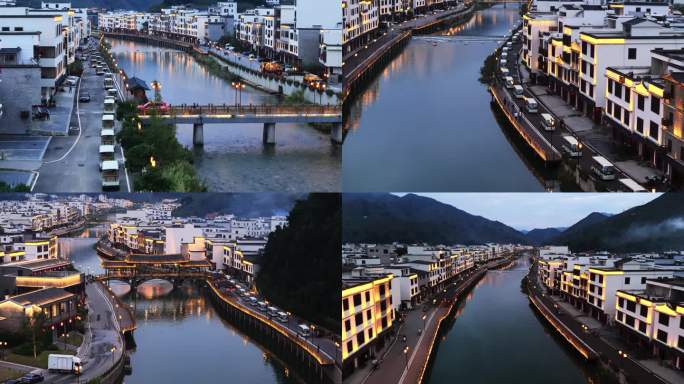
526 211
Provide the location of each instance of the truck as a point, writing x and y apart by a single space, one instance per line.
64 363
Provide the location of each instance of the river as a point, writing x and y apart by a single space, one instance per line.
180 337
233 158
497 338
425 123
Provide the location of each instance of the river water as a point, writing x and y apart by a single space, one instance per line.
497 338
180 338
425 123
233 158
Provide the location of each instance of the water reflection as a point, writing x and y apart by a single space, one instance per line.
498 337
233 158
425 122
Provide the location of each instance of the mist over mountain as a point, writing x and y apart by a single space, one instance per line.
386 218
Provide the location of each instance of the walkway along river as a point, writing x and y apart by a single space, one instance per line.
233 157
181 338
495 336
426 122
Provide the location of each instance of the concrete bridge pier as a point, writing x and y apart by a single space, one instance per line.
268 136
336 133
198 134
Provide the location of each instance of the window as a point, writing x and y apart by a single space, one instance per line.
357 299
627 95
617 113
610 86
655 105
663 319
350 346
627 280
629 320
609 107
358 319
370 333
653 132
680 342
360 338
347 325
681 322
642 327
621 302
620 316
369 315
625 118
640 102
584 47
631 54
631 306
662 336
643 311
618 91
639 125
345 304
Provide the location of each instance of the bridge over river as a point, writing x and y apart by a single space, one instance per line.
268 115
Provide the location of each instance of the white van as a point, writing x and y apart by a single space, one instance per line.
531 105
283 317
110 175
602 168
509 82
303 330
504 71
548 122
629 185
109 105
571 146
107 137
253 301
107 121
503 62
106 154
518 91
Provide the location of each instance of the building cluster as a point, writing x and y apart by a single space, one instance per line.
33 276
36 47
231 244
306 33
642 295
619 63
362 18
379 280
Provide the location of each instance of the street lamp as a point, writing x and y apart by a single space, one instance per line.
238 90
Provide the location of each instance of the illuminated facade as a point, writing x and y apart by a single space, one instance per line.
367 315
360 20
654 318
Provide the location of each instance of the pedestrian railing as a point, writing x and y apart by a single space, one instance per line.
244 110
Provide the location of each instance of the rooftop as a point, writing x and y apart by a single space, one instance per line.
41 296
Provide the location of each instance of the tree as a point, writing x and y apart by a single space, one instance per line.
35 324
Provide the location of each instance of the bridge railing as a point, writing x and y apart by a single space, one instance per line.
224 109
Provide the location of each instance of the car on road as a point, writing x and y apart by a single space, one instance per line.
31 378
153 106
84 97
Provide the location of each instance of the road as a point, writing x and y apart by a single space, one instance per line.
634 371
73 162
96 351
592 136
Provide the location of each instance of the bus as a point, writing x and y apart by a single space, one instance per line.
106 154
303 330
571 146
629 185
107 137
110 175
602 168
108 121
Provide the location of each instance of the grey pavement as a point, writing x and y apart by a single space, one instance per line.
60 115
72 164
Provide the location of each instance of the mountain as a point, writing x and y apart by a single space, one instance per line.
385 218
540 236
240 204
655 226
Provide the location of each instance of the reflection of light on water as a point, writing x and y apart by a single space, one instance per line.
154 288
119 288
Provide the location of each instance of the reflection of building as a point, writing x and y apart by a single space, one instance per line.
367 315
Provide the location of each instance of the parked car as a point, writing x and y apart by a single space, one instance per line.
31 378
84 97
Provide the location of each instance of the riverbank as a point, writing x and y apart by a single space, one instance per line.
608 360
365 63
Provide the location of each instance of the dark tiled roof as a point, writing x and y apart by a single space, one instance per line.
41 296
135 82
